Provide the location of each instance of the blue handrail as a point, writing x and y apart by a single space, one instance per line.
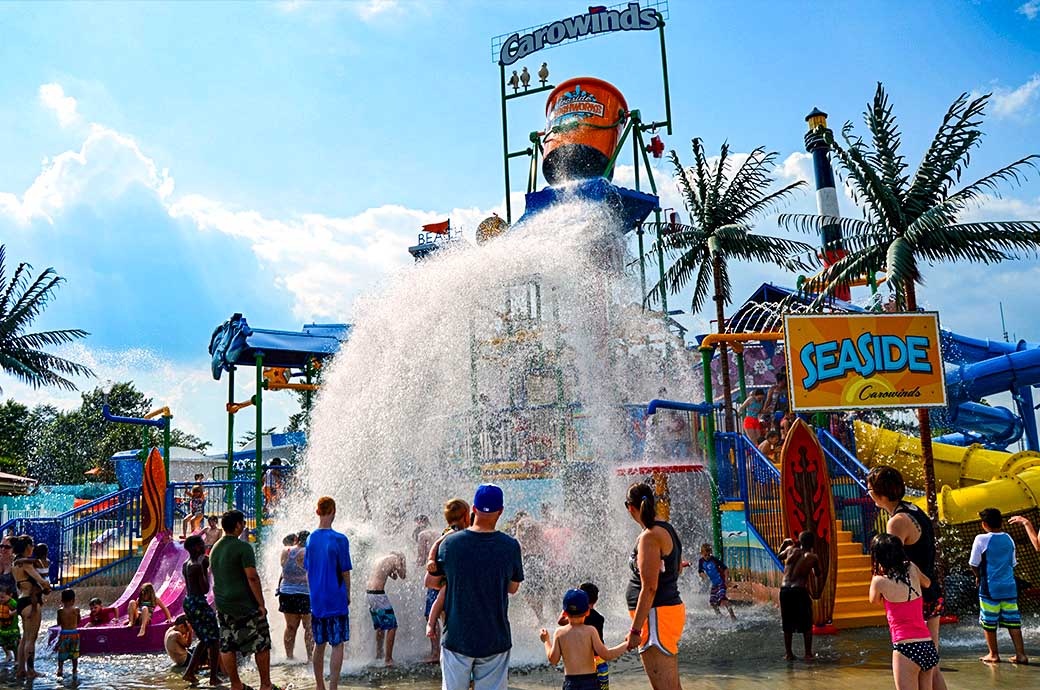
852 502
839 455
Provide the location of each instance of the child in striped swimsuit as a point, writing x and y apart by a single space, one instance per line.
898 583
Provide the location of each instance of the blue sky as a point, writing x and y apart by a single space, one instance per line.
179 162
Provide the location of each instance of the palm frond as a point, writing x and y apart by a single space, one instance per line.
1012 238
1013 174
947 155
882 202
900 263
692 201
766 203
843 272
886 138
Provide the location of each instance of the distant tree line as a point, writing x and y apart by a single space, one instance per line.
58 447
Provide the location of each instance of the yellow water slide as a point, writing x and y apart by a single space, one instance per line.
969 478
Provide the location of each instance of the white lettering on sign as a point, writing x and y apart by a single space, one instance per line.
633 18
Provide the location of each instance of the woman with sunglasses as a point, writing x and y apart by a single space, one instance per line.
657 611
7 565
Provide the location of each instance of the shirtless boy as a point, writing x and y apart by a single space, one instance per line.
795 601
384 620
578 644
212 533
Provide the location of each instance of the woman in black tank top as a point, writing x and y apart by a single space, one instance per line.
657 611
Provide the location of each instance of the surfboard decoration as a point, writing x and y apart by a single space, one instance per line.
153 496
808 505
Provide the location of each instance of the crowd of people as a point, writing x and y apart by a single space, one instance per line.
471 568
767 416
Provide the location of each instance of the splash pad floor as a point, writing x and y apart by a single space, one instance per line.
734 658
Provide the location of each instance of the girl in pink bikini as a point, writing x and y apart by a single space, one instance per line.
898 583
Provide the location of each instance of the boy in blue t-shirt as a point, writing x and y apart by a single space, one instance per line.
993 562
711 568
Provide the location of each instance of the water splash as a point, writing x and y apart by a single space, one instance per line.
517 356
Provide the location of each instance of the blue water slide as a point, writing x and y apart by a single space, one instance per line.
986 367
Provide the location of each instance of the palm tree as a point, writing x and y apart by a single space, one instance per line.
723 199
22 354
909 220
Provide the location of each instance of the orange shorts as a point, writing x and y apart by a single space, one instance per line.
663 628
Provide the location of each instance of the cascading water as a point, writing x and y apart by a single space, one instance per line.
511 362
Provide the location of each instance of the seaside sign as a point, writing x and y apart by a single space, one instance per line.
596 21
863 361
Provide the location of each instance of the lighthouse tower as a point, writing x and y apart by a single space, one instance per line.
826 194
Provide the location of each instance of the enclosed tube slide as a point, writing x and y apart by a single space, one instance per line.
970 478
987 367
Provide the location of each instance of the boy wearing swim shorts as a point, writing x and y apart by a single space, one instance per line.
578 644
993 561
795 600
384 620
68 640
710 568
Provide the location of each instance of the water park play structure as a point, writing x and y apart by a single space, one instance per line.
129 531
161 566
529 360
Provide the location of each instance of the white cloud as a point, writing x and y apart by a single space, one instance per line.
1010 102
1002 208
373 8
105 166
52 96
797 166
1030 9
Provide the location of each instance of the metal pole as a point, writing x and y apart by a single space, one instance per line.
664 73
740 375
308 370
713 464
660 264
167 514
505 141
258 498
229 492
166 444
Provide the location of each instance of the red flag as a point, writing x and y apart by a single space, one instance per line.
438 228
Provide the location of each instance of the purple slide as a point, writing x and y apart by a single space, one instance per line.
161 566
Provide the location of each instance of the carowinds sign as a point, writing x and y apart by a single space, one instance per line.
598 20
864 361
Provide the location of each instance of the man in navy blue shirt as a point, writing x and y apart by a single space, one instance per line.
481 567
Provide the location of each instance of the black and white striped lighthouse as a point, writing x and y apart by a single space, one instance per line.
826 193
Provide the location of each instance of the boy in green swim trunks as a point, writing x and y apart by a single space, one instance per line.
10 634
68 640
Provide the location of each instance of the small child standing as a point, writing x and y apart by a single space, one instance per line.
595 620
709 567
993 561
578 645
68 640
10 634
899 583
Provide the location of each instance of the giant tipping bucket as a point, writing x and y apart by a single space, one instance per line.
585 117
